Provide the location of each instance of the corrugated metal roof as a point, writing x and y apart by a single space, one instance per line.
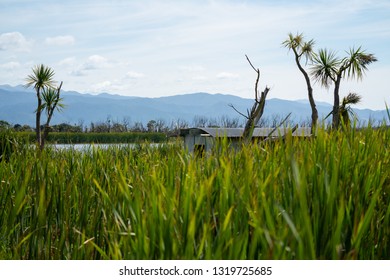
237 132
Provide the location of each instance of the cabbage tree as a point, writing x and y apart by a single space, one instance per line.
42 79
328 69
304 49
51 102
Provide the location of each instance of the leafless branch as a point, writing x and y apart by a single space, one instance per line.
231 105
257 70
279 125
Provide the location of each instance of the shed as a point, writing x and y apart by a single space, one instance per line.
202 139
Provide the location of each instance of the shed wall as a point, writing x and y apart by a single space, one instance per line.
196 139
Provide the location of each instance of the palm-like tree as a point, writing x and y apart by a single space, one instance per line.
328 69
51 101
345 109
41 79
303 49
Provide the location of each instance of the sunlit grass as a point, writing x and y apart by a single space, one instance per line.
320 198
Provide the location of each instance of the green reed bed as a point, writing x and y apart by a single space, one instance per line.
320 198
99 137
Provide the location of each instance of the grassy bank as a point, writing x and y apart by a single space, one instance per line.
323 198
90 137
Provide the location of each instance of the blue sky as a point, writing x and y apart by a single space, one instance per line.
154 48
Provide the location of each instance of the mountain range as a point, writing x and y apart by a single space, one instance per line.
17 106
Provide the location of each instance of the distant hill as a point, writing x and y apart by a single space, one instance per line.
17 106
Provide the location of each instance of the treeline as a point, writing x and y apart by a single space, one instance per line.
95 137
155 126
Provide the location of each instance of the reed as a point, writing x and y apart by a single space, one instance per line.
321 198
103 137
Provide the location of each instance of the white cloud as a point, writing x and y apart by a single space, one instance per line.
103 86
10 65
227 75
191 42
134 75
94 62
77 73
60 40
199 78
192 68
69 61
14 41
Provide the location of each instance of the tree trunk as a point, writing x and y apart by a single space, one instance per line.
255 115
45 133
49 116
38 118
336 104
314 112
46 130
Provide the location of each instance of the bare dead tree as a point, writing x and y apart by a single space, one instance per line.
253 116
225 121
200 121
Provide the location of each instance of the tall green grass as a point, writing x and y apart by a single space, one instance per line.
320 198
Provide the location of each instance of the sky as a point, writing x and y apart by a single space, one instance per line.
154 48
